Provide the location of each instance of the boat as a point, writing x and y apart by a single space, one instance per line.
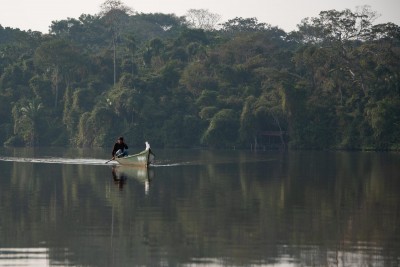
142 159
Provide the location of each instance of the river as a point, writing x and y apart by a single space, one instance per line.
66 207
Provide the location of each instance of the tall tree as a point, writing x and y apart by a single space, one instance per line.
116 15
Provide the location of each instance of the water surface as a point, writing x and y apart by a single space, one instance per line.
63 207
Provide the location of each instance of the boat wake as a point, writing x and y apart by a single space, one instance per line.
168 164
92 161
85 161
173 164
51 160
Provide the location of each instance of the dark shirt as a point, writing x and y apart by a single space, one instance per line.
118 146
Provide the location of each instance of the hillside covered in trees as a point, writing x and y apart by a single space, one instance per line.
184 82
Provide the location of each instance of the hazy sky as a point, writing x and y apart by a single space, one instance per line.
37 15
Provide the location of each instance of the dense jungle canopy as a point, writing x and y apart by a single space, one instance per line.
186 82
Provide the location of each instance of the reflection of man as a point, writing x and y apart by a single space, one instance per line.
120 148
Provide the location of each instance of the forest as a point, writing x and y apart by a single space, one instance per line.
186 82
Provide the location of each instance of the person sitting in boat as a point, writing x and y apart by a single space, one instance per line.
120 148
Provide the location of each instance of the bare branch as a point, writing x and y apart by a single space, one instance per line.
202 19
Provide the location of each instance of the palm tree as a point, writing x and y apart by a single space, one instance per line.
30 114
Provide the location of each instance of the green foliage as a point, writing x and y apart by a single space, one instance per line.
239 24
333 84
222 130
384 119
248 129
28 119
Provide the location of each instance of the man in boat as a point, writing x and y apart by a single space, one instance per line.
120 148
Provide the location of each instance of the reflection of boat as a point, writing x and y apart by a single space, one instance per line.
142 175
142 159
139 174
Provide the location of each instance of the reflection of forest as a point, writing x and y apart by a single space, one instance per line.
309 208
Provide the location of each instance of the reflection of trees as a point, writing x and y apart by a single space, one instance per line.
339 207
312 208
324 203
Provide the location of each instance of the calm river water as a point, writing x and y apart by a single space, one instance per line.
63 207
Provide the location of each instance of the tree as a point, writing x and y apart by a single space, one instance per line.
116 15
94 127
131 48
202 19
248 128
156 48
41 86
388 32
59 57
240 25
332 84
6 118
338 26
26 120
148 26
222 130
